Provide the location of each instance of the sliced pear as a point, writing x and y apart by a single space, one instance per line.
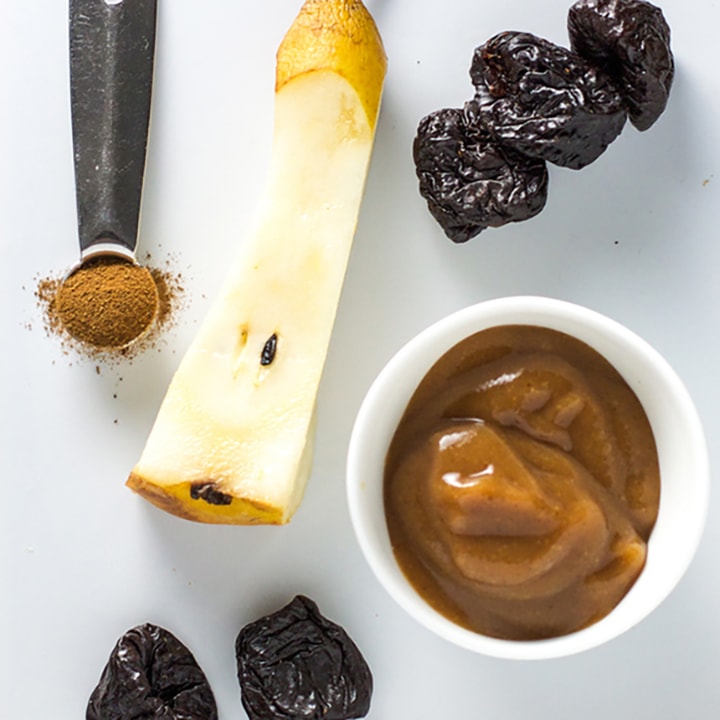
233 440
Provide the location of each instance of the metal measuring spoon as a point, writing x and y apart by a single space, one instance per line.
112 49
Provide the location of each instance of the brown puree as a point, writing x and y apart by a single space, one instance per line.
522 484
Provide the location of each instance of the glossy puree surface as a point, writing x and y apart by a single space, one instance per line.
522 484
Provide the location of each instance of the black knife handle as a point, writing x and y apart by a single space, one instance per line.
112 51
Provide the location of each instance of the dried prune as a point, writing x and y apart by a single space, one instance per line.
151 675
630 40
296 664
545 100
469 180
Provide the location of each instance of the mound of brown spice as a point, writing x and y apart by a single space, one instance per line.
109 307
107 302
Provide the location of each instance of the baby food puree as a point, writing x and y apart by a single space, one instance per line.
522 484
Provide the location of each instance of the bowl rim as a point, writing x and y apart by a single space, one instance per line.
623 348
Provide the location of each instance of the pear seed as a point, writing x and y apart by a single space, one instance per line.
268 352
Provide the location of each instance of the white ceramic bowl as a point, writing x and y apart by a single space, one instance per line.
678 433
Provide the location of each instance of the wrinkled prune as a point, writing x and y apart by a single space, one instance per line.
469 180
296 664
544 100
630 40
151 675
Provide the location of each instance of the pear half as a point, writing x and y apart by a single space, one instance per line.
233 440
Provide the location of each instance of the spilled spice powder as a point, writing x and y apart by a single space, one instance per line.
107 302
101 340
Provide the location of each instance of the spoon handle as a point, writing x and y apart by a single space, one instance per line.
112 49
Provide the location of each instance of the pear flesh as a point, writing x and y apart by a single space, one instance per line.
233 440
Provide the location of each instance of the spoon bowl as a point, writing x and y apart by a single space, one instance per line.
108 301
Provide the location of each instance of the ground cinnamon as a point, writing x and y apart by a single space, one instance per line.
172 299
107 303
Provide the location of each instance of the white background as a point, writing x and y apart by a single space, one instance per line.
83 559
